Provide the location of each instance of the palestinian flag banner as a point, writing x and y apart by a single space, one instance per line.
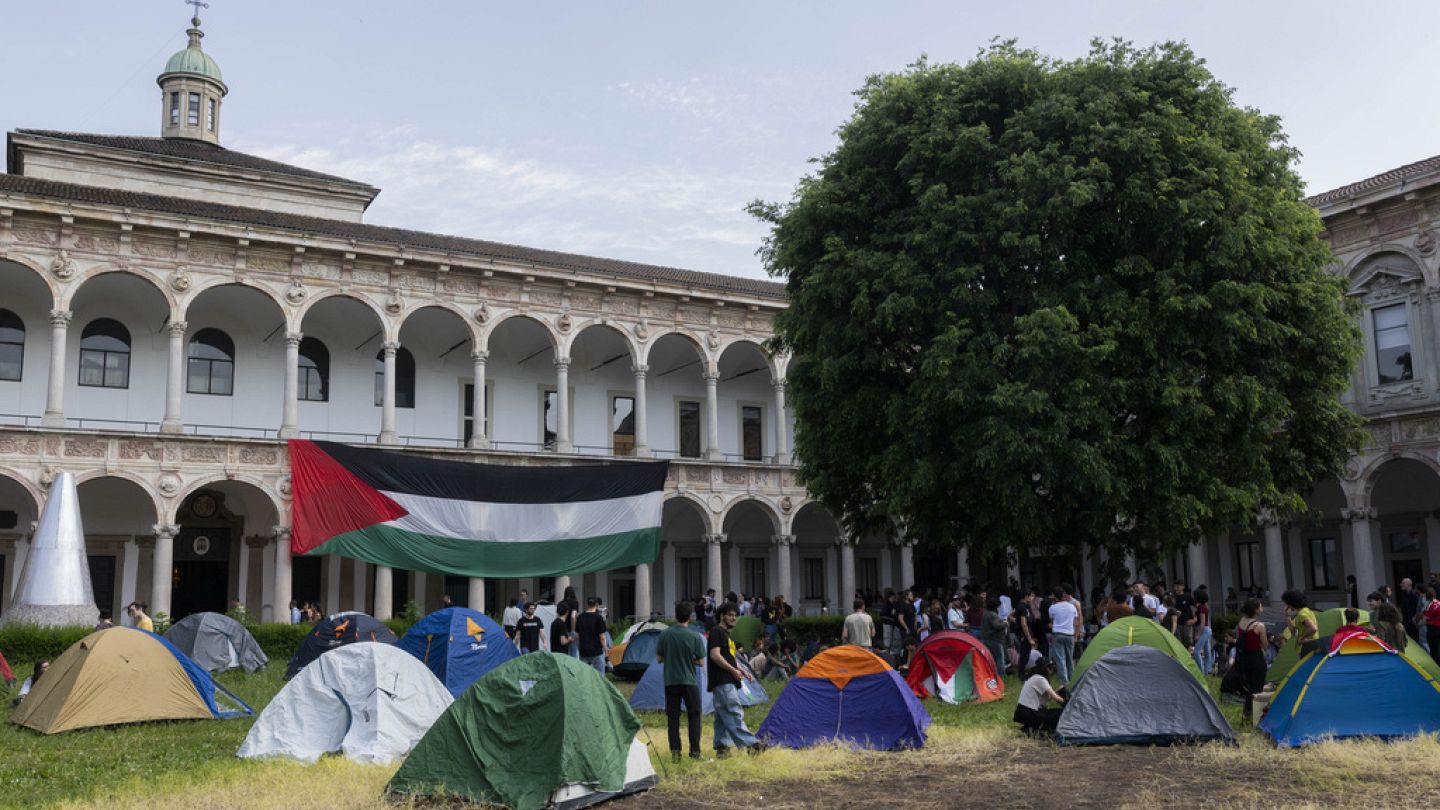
473 520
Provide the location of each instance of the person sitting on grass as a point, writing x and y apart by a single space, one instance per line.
788 661
758 657
1030 711
41 667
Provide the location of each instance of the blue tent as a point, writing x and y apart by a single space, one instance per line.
459 645
347 627
650 692
639 654
1359 689
848 695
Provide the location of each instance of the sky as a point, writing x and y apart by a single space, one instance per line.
640 130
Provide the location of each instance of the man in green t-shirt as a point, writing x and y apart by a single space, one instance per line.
681 651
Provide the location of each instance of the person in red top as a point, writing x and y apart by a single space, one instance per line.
1250 661
6 674
1432 624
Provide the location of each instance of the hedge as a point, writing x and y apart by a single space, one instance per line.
21 642
820 629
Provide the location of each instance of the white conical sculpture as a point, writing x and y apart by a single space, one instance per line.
54 588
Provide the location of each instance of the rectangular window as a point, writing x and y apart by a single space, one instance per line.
312 384
1392 344
1406 542
104 369
752 424
1323 563
867 575
467 421
1247 556
174 108
12 360
193 116
210 114
814 578
690 578
205 376
622 425
753 577
689 429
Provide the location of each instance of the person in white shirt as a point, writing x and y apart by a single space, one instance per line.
955 616
1005 606
1064 625
1030 711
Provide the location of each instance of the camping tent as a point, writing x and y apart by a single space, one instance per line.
371 702
617 650
1361 688
1138 694
123 675
1134 630
337 631
746 630
1329 621
216 642
541 729
847 694
955 667
639 653
459 645
650 692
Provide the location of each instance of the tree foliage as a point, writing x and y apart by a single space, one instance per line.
1037 303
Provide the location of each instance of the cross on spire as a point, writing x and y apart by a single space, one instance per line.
198 5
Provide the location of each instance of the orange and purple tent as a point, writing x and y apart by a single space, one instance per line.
847 694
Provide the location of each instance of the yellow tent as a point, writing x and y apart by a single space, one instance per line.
119 675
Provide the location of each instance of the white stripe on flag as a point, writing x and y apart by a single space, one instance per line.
527 522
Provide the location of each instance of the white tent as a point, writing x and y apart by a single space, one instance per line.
371 702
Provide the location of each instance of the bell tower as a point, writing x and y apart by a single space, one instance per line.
191 90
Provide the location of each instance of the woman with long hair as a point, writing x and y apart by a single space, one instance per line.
1387 626
1250 658
1030 711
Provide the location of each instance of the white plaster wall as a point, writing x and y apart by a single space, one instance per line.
144 400
27 396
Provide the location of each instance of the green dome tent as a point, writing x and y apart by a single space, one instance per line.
1329 621
542 729
1134 630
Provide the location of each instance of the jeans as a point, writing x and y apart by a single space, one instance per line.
689 694
598 662
1062 651
575 651
894 642
1205 650
730 719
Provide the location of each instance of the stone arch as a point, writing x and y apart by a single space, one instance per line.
163 512
809 518
194 295
1362 495
747 341
211 482
448 306
68 298
606 325
40 273
36 496
745 503
695 341
700 508
495 325
386 322
1371 262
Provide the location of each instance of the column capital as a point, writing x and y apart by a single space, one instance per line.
783 540
778 382
144 541
1266 518
479 356
257 541
710 377
177 328
640 369
281 534
1358 514
60 317
294 338
903 541
562 364
390 347
713 539
165 530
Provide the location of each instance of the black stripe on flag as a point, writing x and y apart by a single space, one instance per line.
497 483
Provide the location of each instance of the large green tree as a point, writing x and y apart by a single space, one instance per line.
1037 303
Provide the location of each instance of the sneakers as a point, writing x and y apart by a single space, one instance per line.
696 756
757 748
722 751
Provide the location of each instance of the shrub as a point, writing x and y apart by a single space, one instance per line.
401 623
1220 622
279 641
820 629
25 642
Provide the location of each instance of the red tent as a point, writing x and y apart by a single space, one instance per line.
5 674
956 667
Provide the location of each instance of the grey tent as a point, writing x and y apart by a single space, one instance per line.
1140 695
216 642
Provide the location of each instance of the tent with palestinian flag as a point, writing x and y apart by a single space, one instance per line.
474 520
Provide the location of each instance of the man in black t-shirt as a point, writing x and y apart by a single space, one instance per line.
530 630
724 679
888 625
560 634
590 628
1185 611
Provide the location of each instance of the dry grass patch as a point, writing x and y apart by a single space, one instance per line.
334 783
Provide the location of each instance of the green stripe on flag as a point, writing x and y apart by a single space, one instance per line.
387 545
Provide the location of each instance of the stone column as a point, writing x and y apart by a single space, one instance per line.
22 549
283 578
782 441
562 406
257 543
1362 548
384 593
332 584
1196 562
962 568
671 574
360 584
713 577
712 416
734 573
1274 557
242 576
175 379
269 611
476 596
55 392
387 407
478 439
1432 543
832 581
602 586
561 583
642 591
887 570
784 578
129 569
847 573
642 429
418 581
1012 568
163 568
907 561
290 419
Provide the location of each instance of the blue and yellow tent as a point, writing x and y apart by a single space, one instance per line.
459 645
847 694
1361 688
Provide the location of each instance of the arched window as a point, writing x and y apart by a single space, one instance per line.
211 367
105 354
12 345
314 371
404 378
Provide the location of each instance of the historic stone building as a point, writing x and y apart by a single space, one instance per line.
171 311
